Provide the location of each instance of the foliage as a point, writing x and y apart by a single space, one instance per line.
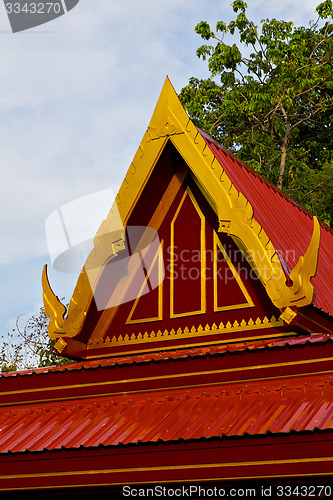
269 100
29 345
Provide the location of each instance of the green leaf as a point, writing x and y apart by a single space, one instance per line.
279 94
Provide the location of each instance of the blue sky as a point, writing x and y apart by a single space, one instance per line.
76 97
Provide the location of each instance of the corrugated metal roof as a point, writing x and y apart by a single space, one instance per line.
288 225
178 354
299 404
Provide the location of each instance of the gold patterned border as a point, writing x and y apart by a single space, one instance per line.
199 331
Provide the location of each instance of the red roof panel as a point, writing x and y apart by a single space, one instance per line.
288 225
301 403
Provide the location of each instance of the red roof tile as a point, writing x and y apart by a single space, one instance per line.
288 225
299 404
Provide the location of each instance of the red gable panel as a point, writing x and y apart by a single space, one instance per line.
288 225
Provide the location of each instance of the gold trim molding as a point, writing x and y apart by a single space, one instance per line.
200 331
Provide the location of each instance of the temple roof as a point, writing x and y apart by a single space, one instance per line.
218 399
289 249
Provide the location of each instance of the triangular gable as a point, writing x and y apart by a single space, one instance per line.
235 218
209 292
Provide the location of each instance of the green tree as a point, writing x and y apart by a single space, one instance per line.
269 100
29 345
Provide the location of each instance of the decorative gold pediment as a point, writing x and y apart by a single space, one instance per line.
235 214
